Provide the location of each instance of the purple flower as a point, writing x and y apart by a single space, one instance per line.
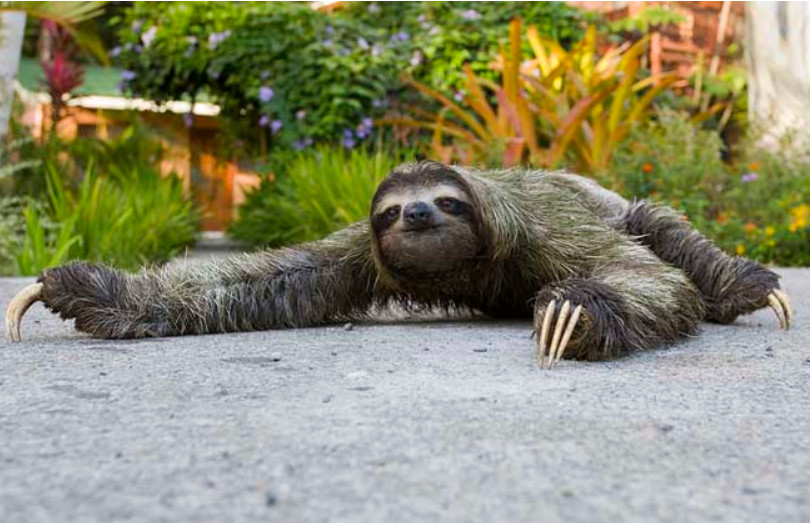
327 42
138 49
348 133
128 46
264 120
749 177
470 14
367 122
377 103
128 75
302 144
115 51
329 30
300 115
421 18
459 96
149 36
434 31
377 50
348 143
373 8
136 26
266 94
362 43
416 58
401 36
275 126
188 119
214 74
214 39
121 86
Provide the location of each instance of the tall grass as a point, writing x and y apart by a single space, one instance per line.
313 194
125 219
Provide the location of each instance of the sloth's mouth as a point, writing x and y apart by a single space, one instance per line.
416 230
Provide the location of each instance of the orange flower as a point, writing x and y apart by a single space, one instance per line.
754 166
722 218
750 227
647 167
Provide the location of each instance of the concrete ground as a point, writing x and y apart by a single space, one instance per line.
404 422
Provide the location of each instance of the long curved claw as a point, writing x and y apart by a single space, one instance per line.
17 308
780 303
542 344
567 336
566 322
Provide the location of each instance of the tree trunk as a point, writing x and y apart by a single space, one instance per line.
778 54
12 30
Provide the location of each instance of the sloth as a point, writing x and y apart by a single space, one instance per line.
600 276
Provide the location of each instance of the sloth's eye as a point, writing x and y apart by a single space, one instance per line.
447 204
392 212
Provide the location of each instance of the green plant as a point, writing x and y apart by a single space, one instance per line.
40 250
312 194
759 207
103 201
560 106
287 76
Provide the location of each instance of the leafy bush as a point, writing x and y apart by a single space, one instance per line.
759 208
313 193
101 201
305 76
573 106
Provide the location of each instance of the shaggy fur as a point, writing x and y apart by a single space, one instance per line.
643 276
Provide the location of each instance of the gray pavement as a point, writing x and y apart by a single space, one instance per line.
404 421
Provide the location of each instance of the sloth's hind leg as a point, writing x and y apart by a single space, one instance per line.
730 286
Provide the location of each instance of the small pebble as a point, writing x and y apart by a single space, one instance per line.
327 399
666 428
270 499
480 350
426 349
334 353
276 356
349 326
769 349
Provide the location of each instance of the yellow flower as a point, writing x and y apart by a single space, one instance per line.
740 249
771 243
801 222
770 231
792 227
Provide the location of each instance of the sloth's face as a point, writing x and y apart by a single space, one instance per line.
425 229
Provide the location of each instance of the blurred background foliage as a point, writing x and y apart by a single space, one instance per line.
324 104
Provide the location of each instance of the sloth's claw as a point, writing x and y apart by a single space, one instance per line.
780 303
17 308
565 325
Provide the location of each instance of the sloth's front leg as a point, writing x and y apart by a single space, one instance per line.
615 311
303 286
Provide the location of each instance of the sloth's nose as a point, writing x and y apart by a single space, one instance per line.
417 215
